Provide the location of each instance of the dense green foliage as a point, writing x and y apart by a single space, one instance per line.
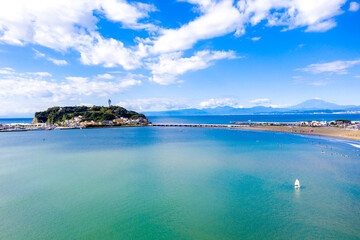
94 113
343 121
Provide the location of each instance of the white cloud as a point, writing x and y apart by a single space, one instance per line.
354 6
261 101
57 23
105 76
128 14
58 62
319 83
154 104
41 74
322 26
222 17
10 72
10 107
37 85
7 70
77 86
293 13
38 54
279 105
64 24
255 39
220 102
168 66
108 52
339 67
218 18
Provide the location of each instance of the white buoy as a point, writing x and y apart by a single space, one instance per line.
297 183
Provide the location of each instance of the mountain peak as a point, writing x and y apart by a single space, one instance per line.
316 104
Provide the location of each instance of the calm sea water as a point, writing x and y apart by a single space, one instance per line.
230 118
254 118
177 183
15 120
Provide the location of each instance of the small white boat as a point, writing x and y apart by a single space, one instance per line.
297 184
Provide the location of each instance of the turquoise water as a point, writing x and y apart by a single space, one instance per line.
226 119
15 120
177 183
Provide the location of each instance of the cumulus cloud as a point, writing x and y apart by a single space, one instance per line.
39 85
338 67
128 14
218 18
293 13
109 53
220 102
62 25
354 6
21 108
154 104
261 101
168 66
56 24
223 17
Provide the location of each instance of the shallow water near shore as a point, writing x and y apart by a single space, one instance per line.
177 183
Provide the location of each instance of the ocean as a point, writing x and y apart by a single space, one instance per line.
177 183
226 119
15 120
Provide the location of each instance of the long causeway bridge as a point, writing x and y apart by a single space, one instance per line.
192 125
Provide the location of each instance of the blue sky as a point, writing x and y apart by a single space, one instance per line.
162 55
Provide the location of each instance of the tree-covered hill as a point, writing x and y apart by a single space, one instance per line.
94 113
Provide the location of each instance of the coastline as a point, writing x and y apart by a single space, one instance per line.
317 131
335 132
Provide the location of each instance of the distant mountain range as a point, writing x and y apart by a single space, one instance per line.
309 106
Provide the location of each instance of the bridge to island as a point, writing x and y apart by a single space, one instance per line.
231 125
192 125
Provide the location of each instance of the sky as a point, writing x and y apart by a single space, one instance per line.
172 54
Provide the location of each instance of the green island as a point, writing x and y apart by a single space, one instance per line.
84 116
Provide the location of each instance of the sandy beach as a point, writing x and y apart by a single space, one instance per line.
319 131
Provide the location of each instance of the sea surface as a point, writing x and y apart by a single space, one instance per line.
177 183
226 119
15 120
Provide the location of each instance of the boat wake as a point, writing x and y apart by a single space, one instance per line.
355 145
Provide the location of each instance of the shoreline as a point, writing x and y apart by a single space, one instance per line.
325 131
317 131
333 132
